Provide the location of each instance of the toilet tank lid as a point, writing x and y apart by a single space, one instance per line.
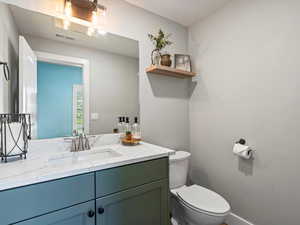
179 155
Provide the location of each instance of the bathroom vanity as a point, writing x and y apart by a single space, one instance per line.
129 188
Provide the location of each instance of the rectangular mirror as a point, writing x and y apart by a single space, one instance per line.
67 78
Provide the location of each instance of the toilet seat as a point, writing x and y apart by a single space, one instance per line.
203 200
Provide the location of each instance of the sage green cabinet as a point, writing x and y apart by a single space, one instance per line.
82 214
135 194
124 177
35 200
143 205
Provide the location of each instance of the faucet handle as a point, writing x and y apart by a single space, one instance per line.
86 143
75 133
73 141
74 145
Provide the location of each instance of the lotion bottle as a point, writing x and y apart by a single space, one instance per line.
136 130
127 125
120 125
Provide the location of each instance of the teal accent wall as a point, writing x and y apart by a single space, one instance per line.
55 98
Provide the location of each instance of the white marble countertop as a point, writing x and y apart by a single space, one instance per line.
41 167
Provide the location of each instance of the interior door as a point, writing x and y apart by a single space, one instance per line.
28 82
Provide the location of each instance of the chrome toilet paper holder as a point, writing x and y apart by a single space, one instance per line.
242 141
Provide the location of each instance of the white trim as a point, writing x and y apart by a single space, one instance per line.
60 59
234 219
73 61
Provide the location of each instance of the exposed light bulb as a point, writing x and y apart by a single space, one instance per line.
102 17
68 8
95 18
90 31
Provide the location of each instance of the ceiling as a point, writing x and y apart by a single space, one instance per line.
40 25
185 12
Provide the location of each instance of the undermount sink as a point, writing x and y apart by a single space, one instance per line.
88 155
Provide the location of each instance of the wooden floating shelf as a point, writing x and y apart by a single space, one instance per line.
168 71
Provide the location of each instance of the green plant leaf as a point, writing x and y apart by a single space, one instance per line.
160 40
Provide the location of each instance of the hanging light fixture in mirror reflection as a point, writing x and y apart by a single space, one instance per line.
94 24
68 14
89 11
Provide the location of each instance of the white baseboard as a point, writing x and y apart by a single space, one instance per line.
234 219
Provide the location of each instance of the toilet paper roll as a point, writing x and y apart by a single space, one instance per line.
242 151
246 154
238 148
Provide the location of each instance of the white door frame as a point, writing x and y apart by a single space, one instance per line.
27 83
73 61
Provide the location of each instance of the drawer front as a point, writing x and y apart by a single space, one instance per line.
34 200
117 179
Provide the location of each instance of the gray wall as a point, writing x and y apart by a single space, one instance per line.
113 81
247 55
8 53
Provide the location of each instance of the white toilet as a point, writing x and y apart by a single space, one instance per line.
193 205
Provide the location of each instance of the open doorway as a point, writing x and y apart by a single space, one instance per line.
50 102
62 95
59 100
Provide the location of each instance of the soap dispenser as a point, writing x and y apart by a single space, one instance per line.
127 125
136 130
120 126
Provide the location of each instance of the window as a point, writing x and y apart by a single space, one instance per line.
78 119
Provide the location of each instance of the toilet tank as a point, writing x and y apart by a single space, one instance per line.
179 165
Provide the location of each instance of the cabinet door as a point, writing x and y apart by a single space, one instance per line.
143 205
82 214
43 198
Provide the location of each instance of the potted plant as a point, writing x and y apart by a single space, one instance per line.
160 41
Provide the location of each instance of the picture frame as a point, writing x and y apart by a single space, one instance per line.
183 62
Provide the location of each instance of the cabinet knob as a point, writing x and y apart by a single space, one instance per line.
91 213
100 210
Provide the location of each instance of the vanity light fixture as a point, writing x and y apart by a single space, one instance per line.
87 10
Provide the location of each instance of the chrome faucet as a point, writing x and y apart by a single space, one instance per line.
87 145
83 143
79 142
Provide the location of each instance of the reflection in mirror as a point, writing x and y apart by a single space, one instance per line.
70 82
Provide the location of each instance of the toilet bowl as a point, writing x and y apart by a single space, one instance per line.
193 205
